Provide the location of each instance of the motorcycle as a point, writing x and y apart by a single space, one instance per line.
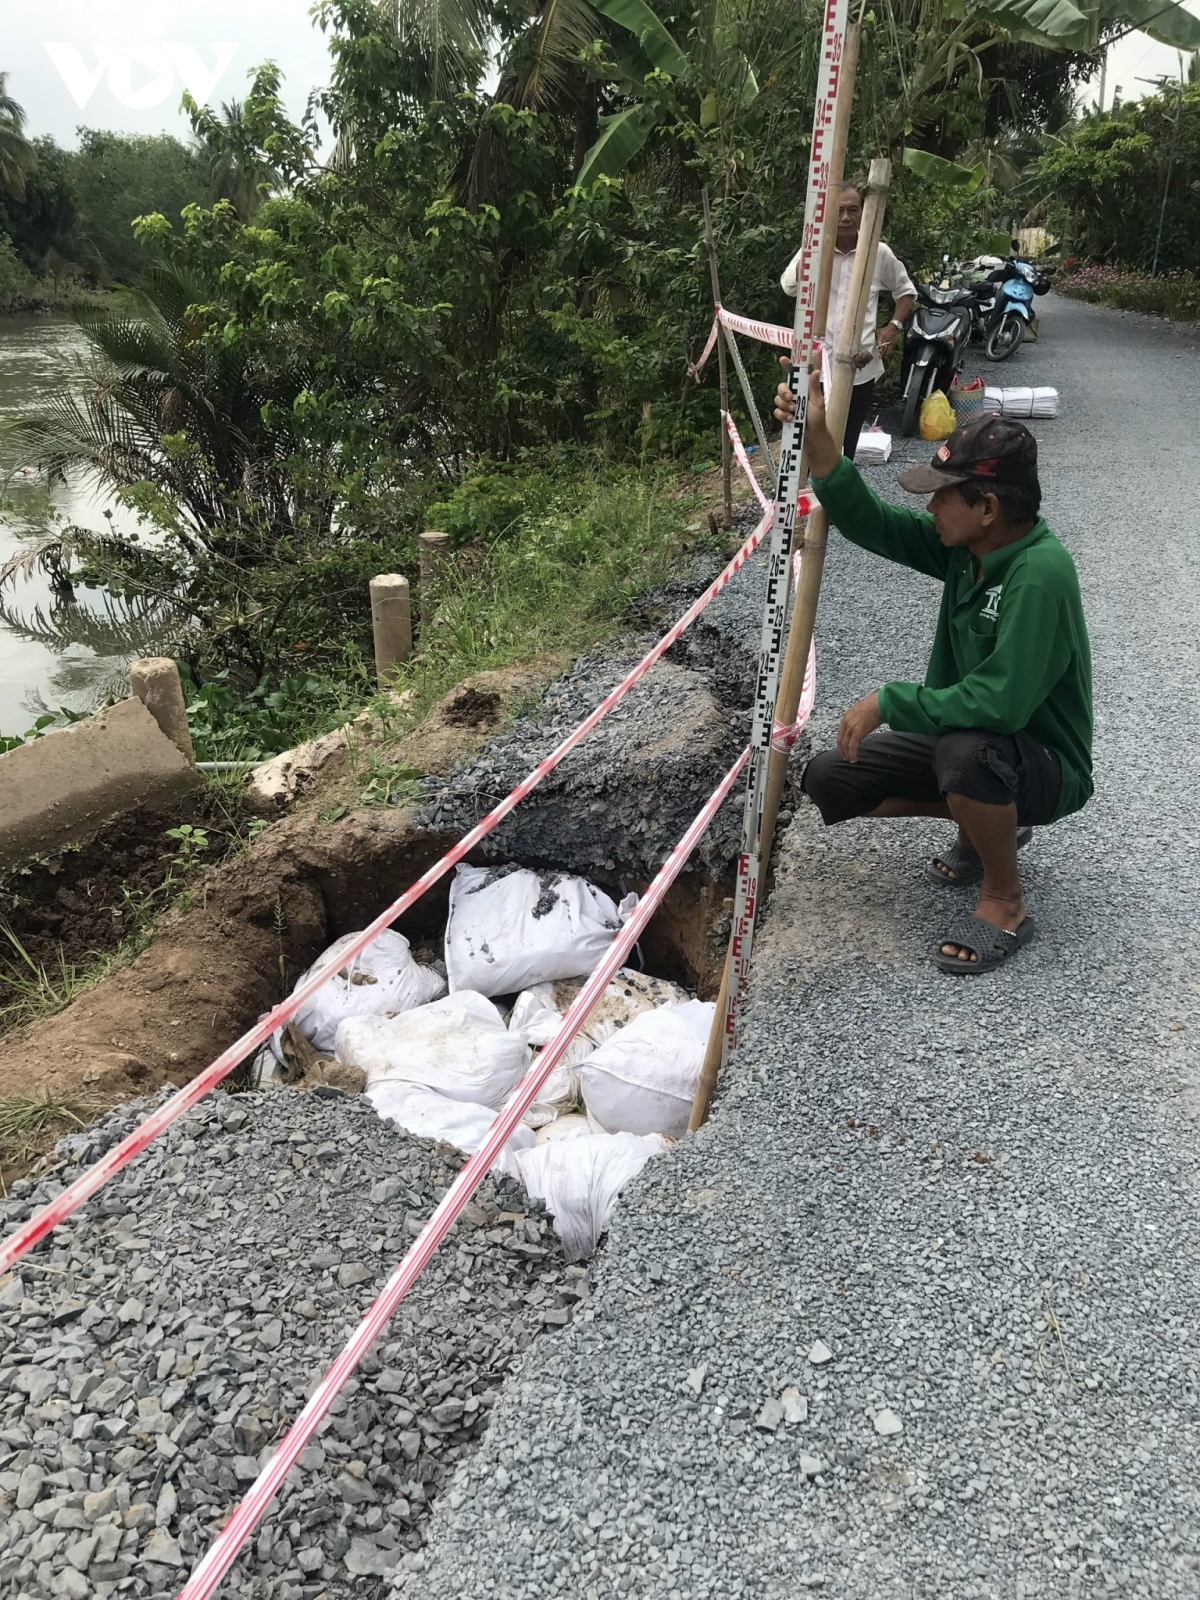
934 343
1011 312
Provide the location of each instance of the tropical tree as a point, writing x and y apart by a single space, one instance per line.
230 150
16 153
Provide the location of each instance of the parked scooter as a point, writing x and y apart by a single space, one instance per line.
1011 312
934 343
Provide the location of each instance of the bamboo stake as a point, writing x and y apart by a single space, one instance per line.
816 538
837 175
722 368
714 1053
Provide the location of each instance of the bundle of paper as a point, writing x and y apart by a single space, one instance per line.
874 446
1025 403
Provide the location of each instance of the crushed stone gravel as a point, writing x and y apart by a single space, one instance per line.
685 722
154 1351
979 1195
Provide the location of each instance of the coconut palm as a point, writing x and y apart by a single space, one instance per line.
161 405
237 170
16 152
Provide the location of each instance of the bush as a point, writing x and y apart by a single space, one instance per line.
1175 295
489 504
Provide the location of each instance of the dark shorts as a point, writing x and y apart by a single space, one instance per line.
995 768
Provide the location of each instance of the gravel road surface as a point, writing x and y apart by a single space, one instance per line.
154 1353
916 1315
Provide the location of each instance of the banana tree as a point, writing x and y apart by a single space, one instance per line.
936 44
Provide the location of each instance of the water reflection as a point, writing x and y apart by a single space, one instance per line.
57 648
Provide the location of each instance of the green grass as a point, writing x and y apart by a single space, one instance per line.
30 989
32 1124
554 583
556 576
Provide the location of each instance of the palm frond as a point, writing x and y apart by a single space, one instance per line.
447 38
543 59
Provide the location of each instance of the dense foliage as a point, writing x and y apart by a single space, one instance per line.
71 217
1171 294
1106 181
469 300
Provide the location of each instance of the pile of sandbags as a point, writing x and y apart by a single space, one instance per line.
442 1065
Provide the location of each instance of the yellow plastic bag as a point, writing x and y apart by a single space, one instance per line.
937 416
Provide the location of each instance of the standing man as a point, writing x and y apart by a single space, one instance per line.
999 736
889 274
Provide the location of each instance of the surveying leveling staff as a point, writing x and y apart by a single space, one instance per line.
999 736
888 273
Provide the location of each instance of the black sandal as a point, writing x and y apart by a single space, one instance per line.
993 946
965 864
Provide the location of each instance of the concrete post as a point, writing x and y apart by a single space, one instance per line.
391 624
154 680
435 558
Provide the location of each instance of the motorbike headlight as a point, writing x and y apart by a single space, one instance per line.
946 336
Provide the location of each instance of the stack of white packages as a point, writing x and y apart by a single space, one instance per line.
1024 403
874 447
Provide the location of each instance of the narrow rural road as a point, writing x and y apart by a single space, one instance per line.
981 1196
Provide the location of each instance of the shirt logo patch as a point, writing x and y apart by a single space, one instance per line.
991 606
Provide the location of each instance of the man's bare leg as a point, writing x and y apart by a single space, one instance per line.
992 831
920 808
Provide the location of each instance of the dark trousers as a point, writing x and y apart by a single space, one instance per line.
995 768
860 409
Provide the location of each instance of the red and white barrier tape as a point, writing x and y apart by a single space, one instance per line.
86 1185
764 332
250 1512
743 460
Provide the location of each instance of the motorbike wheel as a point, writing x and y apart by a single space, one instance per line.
1005 338
920 385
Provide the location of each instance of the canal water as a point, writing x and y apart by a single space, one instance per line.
53 653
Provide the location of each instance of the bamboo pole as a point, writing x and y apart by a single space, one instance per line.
710 245
816 538
714 1053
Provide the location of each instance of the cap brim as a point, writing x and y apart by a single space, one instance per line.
928 480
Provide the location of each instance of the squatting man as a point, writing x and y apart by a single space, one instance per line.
999 736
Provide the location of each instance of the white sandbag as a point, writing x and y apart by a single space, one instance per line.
428 1115
383 979
537 1019
538 1012
510 929
570 1126
643 1079
458 1046
578 1181
558 1094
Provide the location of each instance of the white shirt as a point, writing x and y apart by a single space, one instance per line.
889 274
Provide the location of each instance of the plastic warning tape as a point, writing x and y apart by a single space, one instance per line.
804 336
765 332
743 460
270 1480
86 1185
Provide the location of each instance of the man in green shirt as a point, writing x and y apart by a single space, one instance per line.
999 736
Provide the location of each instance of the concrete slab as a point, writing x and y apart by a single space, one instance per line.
62 787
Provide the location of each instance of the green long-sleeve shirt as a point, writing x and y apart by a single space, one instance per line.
1011 649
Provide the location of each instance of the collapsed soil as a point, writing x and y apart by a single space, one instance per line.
71 910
